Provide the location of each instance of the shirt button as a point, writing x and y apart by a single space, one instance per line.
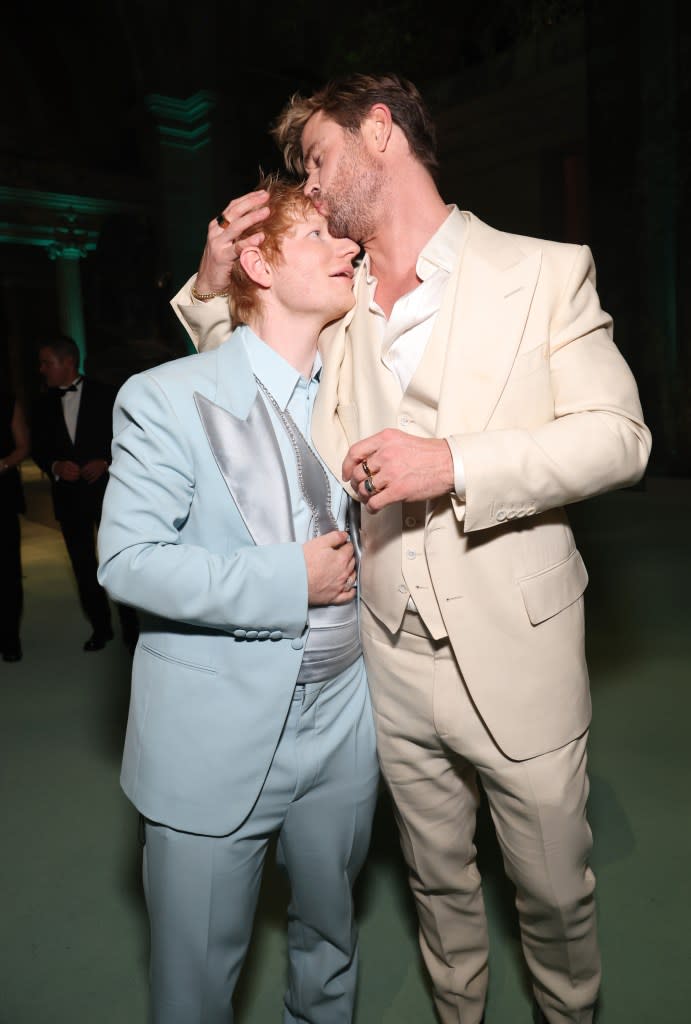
410 521
500 516
402 589
410 554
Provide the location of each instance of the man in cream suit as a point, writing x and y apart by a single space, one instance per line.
472 393
250 714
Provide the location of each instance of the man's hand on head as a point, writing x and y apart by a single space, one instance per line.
394 466
222 248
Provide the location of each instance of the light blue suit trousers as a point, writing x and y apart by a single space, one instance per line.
201 891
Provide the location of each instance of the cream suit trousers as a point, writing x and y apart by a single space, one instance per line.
432 747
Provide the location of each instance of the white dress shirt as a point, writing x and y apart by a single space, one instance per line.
405 334
70 407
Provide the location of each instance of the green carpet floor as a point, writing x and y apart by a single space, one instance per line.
73 928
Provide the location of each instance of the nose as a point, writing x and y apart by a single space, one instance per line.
310 188
350 248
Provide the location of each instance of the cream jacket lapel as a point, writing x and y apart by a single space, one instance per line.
334 428
494 287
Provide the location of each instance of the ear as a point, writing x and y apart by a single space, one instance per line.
378 125
254 264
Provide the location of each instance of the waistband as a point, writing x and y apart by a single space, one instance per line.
332 644
412 623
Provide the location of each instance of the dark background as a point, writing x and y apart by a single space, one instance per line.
124 129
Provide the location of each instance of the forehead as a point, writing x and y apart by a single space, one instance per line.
309 218
318 131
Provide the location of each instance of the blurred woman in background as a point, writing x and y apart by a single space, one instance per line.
14 447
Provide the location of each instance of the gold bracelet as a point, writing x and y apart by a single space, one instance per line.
205 296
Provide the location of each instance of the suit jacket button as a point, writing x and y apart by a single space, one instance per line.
275 634
239 634
263 634
251 634
297 643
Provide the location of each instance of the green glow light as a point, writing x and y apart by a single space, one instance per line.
183 124
46 238
63 201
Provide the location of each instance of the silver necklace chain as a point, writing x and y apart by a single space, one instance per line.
291 429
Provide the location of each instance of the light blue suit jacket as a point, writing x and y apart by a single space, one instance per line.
197 532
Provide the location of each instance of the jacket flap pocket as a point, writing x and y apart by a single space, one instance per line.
554 589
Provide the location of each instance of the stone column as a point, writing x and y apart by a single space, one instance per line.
69 285
185 173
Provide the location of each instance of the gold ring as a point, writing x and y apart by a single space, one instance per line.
221 221
366 468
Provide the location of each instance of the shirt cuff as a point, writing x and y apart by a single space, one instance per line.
458 467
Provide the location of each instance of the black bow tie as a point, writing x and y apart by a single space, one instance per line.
72 387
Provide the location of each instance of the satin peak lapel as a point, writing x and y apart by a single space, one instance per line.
249 458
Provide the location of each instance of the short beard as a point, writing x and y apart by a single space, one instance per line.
354 198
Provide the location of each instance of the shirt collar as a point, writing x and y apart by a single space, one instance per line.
273 370
440 252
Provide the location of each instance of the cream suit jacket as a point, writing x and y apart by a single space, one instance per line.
546 412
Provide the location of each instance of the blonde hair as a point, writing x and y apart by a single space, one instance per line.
347 101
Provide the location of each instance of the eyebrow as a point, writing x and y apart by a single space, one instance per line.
309 155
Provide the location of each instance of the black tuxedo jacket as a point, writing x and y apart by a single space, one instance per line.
51 442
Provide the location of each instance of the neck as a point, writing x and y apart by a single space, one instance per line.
414 212
294 337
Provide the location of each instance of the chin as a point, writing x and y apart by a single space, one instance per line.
339 311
